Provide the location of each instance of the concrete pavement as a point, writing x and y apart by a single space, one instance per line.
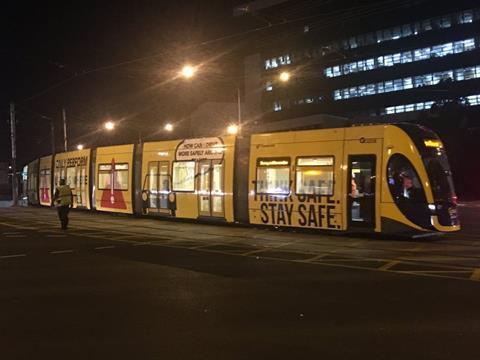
123 287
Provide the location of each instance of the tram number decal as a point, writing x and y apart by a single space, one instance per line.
307 210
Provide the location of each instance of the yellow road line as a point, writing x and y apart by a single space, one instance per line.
475 275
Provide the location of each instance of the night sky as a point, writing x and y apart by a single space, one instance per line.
112 60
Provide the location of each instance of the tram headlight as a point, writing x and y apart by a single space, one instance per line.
432 207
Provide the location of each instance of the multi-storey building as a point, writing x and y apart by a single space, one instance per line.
362 59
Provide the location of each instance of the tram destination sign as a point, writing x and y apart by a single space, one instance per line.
211 148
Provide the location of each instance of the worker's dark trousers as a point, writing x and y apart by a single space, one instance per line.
63 215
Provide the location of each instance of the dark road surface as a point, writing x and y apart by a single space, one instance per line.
116 287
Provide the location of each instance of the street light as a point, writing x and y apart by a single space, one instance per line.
233 129
109 125
284 76
168 127
79 147
188 71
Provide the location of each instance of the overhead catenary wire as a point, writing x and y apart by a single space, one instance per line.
327 20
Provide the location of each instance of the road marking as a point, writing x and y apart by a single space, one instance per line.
12 256
475 275
248 253
62 252
104 247
11 233
141 243
317 257
15 236
17 226
417 248
388 265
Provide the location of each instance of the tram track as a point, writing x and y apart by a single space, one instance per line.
329 248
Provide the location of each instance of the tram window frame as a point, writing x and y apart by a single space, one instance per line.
394 187
315 166
103 171
193 181
288 165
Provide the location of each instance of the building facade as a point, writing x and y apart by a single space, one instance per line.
362 59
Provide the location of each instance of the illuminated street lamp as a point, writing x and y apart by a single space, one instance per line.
168 127
284 76
79 147
188 71
109 125
233 129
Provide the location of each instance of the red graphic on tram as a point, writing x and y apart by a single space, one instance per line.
45 195
113 198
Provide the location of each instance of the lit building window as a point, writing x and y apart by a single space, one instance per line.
412 29
268 86
277 106
403 58
471 100
278 61
408 83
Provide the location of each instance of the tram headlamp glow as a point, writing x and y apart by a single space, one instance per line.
432 143
432 207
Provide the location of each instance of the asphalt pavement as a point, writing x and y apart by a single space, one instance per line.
121 287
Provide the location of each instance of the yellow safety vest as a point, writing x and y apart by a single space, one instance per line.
64 195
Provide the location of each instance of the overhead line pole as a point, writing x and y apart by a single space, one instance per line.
13 139
64 118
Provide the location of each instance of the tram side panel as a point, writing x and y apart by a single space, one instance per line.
45 180
362 187
32 182
295 179
240 183
114 179
191 178
156 180
74 168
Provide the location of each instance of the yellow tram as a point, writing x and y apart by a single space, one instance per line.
376 178
384 178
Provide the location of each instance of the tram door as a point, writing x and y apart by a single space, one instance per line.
210 188
361 191
158 186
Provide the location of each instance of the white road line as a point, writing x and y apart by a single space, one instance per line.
11 233
388 265
61 252
141 243
15 236
104 247
12 256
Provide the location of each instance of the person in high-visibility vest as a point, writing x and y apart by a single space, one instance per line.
63 201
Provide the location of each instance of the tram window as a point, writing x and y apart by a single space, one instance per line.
121 177
104 176
183 176
71 178
314 175
403 181
273 176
